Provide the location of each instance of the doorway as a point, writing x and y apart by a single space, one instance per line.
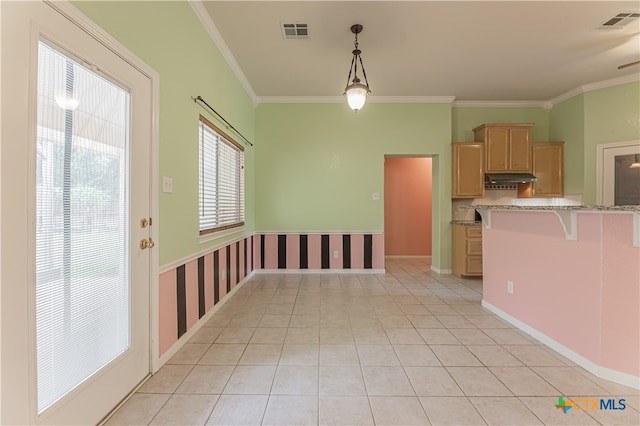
618 173
408 206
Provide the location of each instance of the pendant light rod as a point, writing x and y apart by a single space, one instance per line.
355 91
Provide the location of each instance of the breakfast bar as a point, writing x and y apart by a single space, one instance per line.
570 277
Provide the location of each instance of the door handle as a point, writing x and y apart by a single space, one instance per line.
145 244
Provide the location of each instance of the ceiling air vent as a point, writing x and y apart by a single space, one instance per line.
619 21
295 31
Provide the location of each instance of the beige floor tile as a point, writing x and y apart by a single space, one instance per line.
338 355
404 336
486 321
455 356
272 320
387 381
245 320
239 410
291 410
507 336
377 355
395 321
370 336
534 356
336 336
414 309
628 416
345 410
218 321
341 380
300 354
303 335
279 309
504 411
334 321
254 380
186 410
438 336
166 380
223 354
190 353
611 387
416 356
210 379
235 335
441 308
364 321
206 335
295 380
454 321
453 411
398 411
261 354
496 356
305 320
269 335
424 321
471 336
523 381
432 381
478 381
544 408
569 382
140 409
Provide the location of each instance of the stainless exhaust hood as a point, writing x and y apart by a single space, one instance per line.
502 178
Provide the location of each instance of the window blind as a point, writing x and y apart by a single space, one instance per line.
221 189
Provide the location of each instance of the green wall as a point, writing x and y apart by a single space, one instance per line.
318 165
566 123
169 37
465 119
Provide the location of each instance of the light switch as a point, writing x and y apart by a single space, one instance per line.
375 196
167 184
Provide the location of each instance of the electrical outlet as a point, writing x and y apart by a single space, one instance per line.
335 254
510 287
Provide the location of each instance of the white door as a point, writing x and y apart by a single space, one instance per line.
618 171
89 139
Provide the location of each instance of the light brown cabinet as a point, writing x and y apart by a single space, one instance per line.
507 147
467 250
548 167
468 170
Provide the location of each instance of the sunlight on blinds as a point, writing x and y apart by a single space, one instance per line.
82 235
221 181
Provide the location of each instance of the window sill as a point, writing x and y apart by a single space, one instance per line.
215 235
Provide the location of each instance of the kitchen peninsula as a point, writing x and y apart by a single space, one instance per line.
570 277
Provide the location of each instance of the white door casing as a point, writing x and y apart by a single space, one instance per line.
24 24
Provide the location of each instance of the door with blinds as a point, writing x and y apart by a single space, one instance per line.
91 226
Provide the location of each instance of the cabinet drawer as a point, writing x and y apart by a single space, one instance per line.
474 265
474 231
473 247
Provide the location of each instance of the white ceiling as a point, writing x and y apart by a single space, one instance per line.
470 50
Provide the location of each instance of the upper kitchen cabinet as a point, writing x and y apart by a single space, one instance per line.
548 167
468 170
507 147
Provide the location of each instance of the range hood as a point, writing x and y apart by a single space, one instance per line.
501 178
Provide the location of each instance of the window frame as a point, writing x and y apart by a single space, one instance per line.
223 138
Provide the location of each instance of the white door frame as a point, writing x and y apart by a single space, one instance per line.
19 357
600 164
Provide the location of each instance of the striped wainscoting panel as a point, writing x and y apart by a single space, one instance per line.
188 291
289 251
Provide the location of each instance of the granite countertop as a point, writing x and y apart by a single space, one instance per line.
551 208
466 222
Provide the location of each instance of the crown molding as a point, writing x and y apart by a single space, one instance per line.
217 39
340 99
631 78
499 104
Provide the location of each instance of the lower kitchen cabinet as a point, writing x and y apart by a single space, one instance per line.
467 250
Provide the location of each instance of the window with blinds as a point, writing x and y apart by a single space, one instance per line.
221 189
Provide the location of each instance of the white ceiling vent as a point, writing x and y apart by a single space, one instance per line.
619 21
295 31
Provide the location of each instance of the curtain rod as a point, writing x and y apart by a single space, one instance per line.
229 126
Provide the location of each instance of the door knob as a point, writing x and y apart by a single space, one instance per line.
144 243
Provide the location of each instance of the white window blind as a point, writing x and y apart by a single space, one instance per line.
221 191
82 232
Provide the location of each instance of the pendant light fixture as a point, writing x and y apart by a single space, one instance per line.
636 162
356 92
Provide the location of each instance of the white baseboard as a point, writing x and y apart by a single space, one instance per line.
319 271
595 369
156 364
440 271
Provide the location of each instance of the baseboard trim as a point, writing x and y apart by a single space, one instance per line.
440 271
319 271
595 369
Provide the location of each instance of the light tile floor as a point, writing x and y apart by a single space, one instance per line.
409 347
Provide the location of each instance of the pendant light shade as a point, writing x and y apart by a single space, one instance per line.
636 162
356 92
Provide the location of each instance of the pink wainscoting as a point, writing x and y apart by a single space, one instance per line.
378 251
232 265
222 253
335 244
314 242
168 300
208 282
191 287
293 251
271 251
583 294
357 251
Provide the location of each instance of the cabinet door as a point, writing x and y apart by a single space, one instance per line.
468 171
548 167
519 149
497 144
